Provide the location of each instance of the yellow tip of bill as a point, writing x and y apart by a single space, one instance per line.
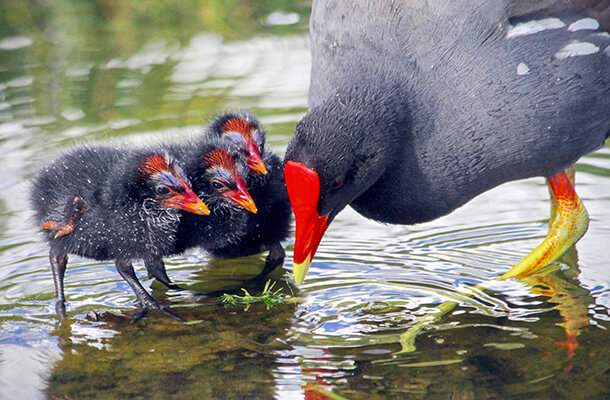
300 270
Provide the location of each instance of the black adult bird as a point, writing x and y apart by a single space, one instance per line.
265 230
104 203
416 107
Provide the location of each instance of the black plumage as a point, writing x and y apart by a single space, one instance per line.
232 230
445 115
216 171
266 229
246 132
104 203
416 107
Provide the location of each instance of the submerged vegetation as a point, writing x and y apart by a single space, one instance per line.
271 298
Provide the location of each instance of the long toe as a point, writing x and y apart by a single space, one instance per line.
165 311
569 224
173 286
169 284
153 305
260 278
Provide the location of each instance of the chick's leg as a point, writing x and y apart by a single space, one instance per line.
156 269
275 259
145 300
59 260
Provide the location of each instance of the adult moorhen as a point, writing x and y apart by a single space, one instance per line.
265 230
416 107
105 203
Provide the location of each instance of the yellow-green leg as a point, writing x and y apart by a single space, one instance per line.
568 223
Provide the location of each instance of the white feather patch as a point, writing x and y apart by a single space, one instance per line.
585 24
575 49
523 69
531 27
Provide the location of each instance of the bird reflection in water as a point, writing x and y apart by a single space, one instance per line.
570 299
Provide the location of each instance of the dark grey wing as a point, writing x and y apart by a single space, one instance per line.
349 37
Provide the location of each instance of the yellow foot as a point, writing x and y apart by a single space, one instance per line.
569 225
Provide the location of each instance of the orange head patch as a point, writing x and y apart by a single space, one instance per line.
239 125
221 158
153 165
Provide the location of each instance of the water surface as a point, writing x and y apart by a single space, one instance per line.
75 72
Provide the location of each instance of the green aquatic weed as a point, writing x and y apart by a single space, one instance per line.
270 297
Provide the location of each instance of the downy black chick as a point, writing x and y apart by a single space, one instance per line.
266 229
216 171
105 203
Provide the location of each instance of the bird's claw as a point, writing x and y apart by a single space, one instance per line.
169 284
170 314
144 308
76 209
173 286
138 315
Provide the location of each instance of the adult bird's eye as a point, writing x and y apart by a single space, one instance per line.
162 190
217 185
337 183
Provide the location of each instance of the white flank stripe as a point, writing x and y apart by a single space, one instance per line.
531 27
576 49
585 24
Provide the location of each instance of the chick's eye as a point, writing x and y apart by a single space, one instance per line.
337 183
217 185
162 190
